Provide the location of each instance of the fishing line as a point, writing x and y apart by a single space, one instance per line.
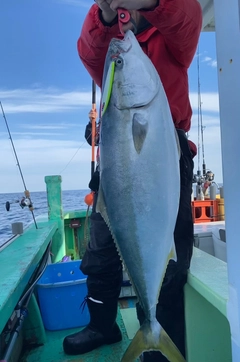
92 164
73 156
91 136
27 193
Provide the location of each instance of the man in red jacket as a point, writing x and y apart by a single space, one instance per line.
168 32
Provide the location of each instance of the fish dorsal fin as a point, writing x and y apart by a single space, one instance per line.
101 206
102 209
139 131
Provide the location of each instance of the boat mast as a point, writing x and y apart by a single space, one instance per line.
200 177
200 123
203 178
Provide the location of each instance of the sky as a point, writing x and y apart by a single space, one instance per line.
46 95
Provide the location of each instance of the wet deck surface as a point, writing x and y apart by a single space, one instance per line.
52 350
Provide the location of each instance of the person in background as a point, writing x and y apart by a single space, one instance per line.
168 32
94 183
88 131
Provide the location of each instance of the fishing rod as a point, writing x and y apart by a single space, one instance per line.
93 126
89 197
200 122
26 201
92 135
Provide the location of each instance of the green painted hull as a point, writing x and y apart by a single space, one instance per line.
206 294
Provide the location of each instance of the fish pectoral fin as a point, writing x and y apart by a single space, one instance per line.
139 131
145 340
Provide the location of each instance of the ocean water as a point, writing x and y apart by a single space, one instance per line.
71 200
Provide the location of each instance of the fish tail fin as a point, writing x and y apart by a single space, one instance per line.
150 338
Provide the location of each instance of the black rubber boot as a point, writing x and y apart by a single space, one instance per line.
101 330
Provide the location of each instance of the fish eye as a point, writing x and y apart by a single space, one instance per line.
119 62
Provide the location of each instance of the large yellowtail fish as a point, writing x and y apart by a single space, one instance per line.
139 182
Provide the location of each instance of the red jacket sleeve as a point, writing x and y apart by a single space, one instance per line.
180 22
93 43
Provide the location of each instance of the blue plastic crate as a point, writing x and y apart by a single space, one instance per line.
61 291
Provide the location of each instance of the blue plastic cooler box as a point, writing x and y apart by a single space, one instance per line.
61 291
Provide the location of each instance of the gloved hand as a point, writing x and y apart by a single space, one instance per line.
94 182
92 114
108 14
132 4
109 9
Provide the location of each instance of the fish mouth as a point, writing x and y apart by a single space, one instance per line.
118 47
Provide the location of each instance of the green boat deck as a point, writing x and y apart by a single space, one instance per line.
52 350
42 345
206 294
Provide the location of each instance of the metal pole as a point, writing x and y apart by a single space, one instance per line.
227 24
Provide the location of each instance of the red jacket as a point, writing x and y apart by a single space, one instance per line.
170 43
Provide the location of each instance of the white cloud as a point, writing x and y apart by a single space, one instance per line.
41 157
31 135
207 120
213 63
39 100
207 59
51 100
48 126
210 102
210 61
